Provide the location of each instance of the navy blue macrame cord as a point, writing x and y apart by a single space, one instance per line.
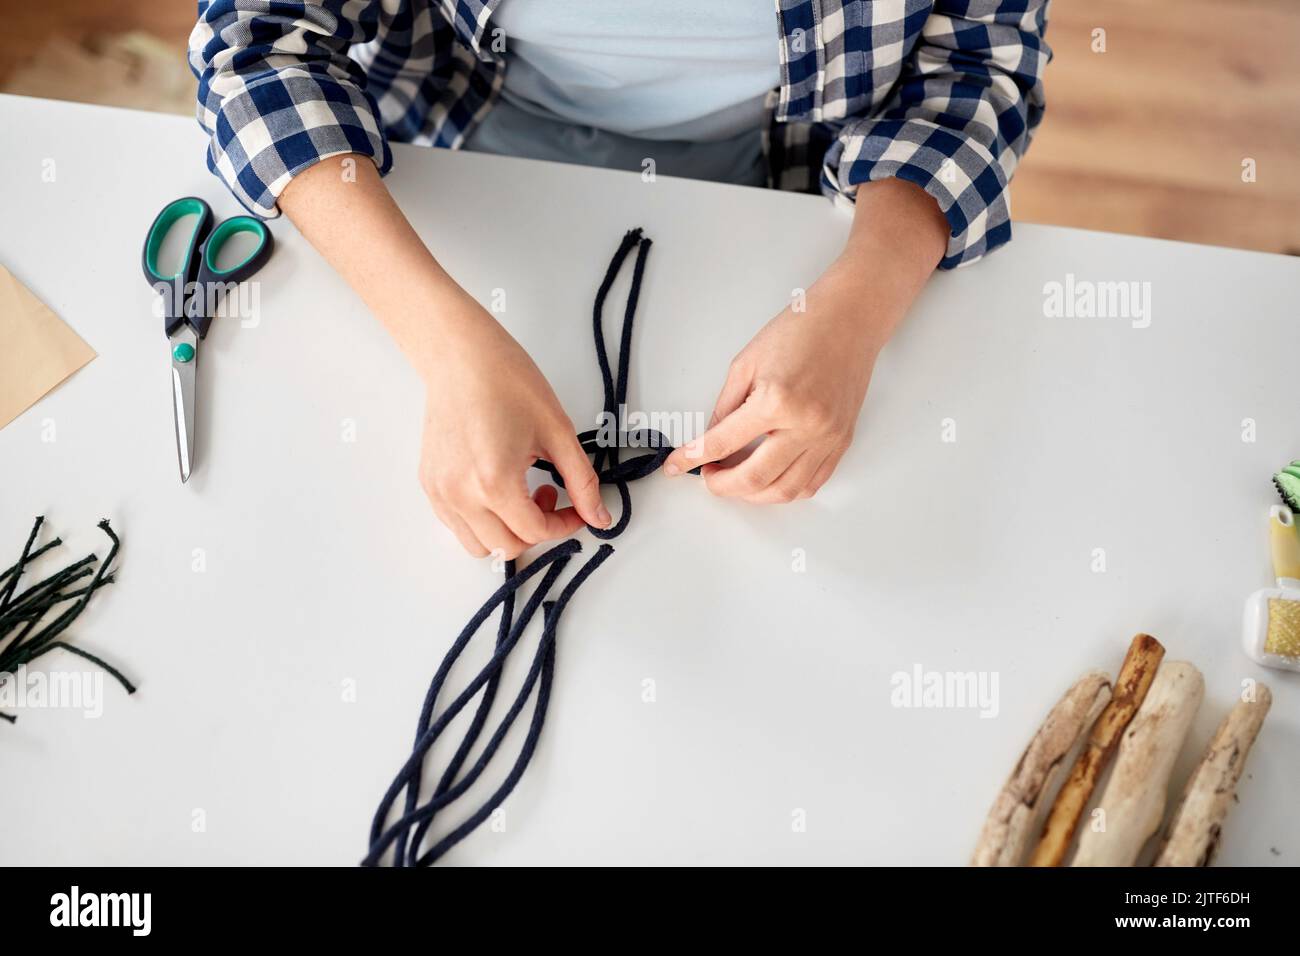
402 839
605 458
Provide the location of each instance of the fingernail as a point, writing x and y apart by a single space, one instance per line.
602 516
670 469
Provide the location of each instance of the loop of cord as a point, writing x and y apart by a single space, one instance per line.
402 839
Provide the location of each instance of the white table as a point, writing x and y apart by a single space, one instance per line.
324 564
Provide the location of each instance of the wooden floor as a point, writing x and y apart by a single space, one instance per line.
1148 137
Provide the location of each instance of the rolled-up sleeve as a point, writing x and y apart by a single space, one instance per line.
958 122
279 93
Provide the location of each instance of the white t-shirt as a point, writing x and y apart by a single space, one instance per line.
612 82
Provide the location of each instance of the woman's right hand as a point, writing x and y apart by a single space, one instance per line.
489 414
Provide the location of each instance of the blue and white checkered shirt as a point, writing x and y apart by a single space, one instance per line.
941 93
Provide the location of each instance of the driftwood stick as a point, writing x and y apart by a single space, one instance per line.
1133 802
1135 676
1192 837
1019 807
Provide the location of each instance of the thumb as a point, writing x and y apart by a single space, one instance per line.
735 390
580 479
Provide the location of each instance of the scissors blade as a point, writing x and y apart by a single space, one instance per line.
185 359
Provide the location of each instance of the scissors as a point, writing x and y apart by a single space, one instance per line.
189 294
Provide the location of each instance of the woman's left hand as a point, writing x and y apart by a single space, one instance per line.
800 383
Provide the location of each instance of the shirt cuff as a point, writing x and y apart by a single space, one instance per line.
279 125
959 172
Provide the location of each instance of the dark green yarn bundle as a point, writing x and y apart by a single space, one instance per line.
27 631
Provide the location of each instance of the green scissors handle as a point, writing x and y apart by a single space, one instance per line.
188 291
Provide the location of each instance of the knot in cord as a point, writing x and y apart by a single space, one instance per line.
605 457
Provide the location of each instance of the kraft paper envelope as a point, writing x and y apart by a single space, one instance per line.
37 349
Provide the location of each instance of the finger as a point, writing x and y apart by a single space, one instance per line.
531 523
791 484
468 540
457 526
725 438
494 534
734 391
768 462
546 496
580 479
824 471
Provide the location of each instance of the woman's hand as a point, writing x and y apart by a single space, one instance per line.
800 383
489 414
